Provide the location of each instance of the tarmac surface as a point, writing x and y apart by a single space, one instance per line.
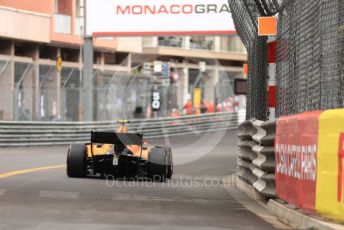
35 192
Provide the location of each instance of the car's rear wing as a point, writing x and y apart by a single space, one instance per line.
116 138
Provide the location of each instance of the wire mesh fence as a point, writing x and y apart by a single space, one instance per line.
310 54
6 91
23 92
245 15
37 92
31 92
49 96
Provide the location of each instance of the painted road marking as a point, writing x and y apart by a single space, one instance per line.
26 171
162 199
59 194
127 197
140 198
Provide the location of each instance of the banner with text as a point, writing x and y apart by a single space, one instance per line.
330 177
158 17
296 159
310 161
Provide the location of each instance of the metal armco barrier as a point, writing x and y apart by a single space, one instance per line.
256 158
62 133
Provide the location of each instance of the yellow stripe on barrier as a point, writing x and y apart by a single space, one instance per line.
330 165
26 171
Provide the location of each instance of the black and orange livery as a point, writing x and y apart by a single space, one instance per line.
121 154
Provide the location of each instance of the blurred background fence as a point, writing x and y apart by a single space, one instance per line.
35 91
310 54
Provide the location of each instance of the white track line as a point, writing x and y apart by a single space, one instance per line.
125 197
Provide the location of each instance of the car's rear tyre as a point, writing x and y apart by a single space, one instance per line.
76 161
158 162
170 164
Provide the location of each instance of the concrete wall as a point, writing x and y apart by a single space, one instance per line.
130 44
39 6
24 25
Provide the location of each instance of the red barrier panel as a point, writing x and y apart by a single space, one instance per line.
296 159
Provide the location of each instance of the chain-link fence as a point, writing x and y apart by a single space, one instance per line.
121 95
6 99
23 92
35 91
70 94
245 15
310 54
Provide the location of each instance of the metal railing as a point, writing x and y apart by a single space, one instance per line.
256 158
14 134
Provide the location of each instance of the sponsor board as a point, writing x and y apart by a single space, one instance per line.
296 159
158 17
330 177
310 161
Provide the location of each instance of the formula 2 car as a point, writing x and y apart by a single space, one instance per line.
120 154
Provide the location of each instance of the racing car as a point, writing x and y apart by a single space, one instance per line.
120 154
